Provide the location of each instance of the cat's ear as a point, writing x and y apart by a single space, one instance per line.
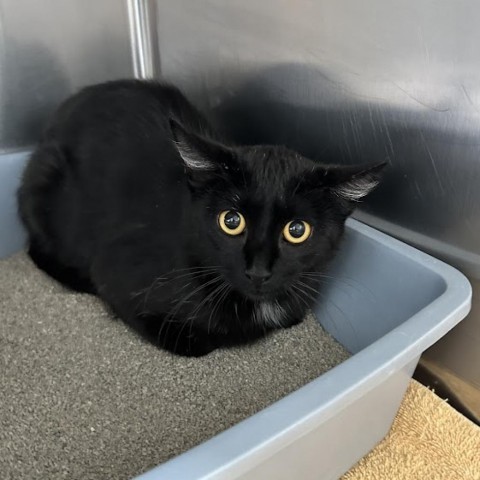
353 182
202 158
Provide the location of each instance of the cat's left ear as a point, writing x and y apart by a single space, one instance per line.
202 158
353 182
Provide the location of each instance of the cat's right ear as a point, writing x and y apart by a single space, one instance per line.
352 183
203 159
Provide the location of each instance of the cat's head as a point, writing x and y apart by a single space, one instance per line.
266 213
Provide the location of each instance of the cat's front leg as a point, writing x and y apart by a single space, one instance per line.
120 272
294 320
180 338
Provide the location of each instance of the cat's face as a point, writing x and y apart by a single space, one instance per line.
267 215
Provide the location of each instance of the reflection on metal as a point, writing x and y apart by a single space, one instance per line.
50 49
348 81
143 37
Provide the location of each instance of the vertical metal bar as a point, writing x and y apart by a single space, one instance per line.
144 38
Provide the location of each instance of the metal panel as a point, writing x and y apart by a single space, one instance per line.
351 81
48 50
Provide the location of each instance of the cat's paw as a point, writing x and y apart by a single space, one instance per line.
294 321
176 338
195 350
191 344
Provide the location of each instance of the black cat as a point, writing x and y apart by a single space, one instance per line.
194 243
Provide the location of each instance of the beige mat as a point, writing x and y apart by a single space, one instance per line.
429 440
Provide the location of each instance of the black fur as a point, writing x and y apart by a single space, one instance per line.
121 198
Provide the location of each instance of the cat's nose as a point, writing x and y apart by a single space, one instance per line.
258 276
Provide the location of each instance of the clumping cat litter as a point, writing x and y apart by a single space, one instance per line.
83 397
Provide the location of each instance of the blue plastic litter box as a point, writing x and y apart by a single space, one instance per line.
395 303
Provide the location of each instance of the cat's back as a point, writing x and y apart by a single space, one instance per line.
106 159
110 133
124 106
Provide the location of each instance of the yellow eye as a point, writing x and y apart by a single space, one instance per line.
232 222
297 231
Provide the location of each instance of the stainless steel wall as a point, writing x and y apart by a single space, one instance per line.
50 48
353 81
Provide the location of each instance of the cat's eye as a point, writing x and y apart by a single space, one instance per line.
232 222
297 231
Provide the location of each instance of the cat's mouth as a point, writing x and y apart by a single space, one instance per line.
260 297
270 291
263 294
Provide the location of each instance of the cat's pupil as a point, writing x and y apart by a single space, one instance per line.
232 220
297 229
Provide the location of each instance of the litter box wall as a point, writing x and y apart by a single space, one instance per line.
12 234
354 81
